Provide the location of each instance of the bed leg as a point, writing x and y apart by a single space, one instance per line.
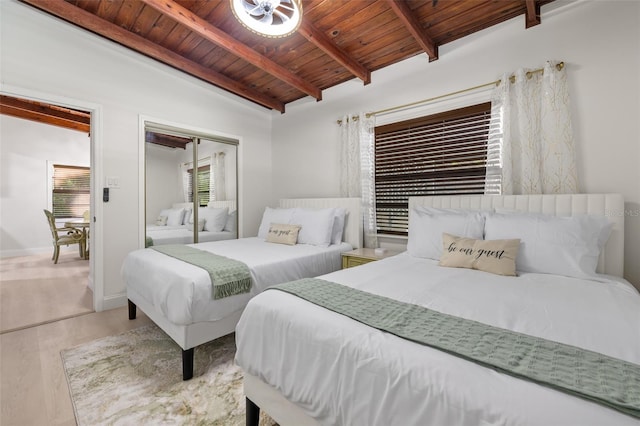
132 310
187 364
252 413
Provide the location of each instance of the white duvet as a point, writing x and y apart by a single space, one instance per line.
181 235
183 292
341 372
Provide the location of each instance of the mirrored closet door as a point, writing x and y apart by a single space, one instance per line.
191 186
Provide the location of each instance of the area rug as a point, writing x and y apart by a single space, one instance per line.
136 378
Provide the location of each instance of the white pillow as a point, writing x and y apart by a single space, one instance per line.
200 225
340 214
214 218
231 224
427 224
174 216
187 217
273 216
316 225
550 244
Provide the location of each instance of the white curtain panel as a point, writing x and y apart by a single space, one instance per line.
217 191
357 168
531 124
186 187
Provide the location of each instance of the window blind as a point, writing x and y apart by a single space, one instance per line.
71 190
441 154
204 183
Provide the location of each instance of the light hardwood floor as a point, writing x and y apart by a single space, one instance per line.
34 290
33 387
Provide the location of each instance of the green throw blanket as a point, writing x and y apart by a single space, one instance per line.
580 372
228 276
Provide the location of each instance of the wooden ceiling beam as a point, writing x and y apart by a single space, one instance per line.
46 114
324 43
532 13
88 21
193 22
405 14
169 141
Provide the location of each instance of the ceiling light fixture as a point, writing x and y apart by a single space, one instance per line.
269 18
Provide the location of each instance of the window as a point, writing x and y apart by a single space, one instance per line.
204 185
441 154
71 190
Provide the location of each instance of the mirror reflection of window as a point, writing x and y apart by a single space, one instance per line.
204 184
201 186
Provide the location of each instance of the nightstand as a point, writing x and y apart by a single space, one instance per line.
364 255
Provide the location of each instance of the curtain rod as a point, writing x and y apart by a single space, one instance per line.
512 79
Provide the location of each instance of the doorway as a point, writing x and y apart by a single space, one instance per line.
38 133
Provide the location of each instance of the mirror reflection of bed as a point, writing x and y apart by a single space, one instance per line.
173 191
220 216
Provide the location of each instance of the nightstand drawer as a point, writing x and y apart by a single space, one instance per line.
350 261
363 255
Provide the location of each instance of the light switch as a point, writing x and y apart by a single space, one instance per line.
113 182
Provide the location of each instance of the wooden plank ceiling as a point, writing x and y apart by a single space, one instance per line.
338 40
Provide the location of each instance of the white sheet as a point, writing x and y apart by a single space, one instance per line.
182 235
341 372
182 292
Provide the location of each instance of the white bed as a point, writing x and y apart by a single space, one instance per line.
180 234
177 296
329 369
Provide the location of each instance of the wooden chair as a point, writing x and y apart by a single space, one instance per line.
64 237
87 218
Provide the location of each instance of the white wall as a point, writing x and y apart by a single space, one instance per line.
27 150
163 180
295 154
44 55
598 41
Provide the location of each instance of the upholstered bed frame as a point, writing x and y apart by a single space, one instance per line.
261 395
195 334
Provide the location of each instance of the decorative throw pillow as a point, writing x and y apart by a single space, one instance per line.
161 221
282 233
495 256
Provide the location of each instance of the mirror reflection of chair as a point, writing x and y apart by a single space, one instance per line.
64 237
86 216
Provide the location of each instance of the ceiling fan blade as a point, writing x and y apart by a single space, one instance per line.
251 8
283 17
267 20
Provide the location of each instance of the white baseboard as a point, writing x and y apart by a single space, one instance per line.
114 301
33 251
